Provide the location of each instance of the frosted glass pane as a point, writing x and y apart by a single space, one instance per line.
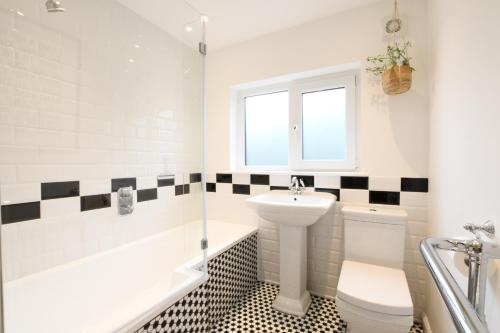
266 122
324 125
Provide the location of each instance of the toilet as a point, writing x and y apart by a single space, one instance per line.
372 293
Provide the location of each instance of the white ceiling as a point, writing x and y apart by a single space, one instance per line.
232 21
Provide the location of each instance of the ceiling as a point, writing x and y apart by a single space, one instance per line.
232 21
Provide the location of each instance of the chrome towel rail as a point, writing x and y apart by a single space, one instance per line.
467 312
463 313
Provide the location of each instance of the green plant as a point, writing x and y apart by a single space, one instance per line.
396 55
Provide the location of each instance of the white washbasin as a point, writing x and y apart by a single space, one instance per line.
294 210
293 213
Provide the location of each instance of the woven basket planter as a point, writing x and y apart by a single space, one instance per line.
397 80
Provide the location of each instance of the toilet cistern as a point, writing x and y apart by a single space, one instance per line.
293 213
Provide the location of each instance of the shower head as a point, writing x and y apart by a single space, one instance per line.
54 6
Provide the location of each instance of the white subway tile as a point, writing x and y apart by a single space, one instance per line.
6 135
18 193
413 199
326 181
92 187
241 178
7 174
259 189
60 207
146 182
354 196
391 184
279 180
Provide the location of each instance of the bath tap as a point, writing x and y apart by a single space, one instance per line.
297 186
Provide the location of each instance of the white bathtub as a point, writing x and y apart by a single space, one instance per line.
117 290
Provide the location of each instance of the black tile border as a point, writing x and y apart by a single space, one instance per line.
356 183
241 189
147 194
384 197
59 190
224 178
179 190
166 182
20 212
415 185
97 201
211 187
257 179
279 188
26 211
195 178
117 183
334 191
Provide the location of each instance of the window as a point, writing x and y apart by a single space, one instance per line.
306 124
266 129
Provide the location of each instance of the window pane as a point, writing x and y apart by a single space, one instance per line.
266 122
324 125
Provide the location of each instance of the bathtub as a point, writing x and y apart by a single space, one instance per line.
120 289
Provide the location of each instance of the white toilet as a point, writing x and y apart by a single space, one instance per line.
373 294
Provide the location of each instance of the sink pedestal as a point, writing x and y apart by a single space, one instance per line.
293 213
293 297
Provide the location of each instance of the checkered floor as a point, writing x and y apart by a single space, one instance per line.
254 313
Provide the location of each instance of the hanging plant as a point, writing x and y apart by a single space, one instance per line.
393 66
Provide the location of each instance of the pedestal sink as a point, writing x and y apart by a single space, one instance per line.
293 213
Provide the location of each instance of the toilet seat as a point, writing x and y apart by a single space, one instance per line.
374 288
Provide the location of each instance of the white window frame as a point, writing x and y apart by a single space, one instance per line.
296 88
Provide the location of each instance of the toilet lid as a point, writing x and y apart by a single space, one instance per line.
375 288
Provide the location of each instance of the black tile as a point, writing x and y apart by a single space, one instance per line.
334 191
147 194
360 183
241 189
277 188
60 190
414 184
259 179
123 182
195 178
384 198
90 202
20 212
224 178
186 188
308 180
211 187
166 182
179 189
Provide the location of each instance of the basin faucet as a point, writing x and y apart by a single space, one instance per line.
297 186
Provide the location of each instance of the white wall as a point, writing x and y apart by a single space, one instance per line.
74 107
464 131
392 132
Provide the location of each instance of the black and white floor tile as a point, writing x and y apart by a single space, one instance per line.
254 313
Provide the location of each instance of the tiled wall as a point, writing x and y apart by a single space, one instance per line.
86 96
227 194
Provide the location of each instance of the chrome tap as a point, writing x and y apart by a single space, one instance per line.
297 186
